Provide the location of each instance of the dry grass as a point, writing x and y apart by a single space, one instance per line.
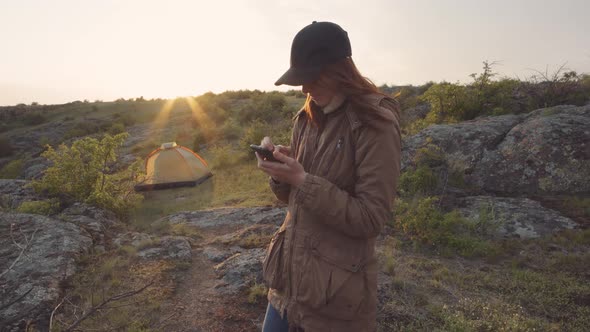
538 285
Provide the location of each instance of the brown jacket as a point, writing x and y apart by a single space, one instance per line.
321 266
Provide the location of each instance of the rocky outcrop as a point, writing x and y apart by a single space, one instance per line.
96 222
14 192
540 153
512 217
30 282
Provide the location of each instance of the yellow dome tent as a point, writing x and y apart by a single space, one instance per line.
172 165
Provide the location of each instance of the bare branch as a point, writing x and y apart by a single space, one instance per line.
104 303
53 313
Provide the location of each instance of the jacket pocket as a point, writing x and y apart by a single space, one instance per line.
273 265
332 283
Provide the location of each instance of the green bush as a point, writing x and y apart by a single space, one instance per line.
45 208
253 134
12 170
85 172
116 128
425 224
422 180
231 130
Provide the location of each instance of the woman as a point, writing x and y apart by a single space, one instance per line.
338 177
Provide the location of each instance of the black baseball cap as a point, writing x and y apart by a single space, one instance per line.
314 47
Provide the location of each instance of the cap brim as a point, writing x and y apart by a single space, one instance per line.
299 76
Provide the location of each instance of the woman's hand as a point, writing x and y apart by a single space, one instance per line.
290 171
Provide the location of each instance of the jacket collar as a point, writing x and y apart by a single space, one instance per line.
351 116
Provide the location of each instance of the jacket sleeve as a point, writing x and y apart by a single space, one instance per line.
363 213
281 190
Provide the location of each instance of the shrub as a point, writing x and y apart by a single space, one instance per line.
447 101
6 148
231 130
45 208
85 172
419 181
425 224
12 170
223 156
253 134
116 128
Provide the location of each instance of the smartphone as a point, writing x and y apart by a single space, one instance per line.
264 153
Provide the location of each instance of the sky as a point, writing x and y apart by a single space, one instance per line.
64 50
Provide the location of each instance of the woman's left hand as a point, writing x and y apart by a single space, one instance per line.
290 171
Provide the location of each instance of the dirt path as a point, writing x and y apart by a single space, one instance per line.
198 307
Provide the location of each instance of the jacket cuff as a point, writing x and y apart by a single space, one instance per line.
276 186
308 190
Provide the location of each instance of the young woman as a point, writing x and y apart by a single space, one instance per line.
338 177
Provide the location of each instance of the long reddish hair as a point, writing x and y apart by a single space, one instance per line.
343 77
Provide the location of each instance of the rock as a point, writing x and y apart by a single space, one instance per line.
14 192
134 239
238 271
216 255
513 217
93 220
543 152
548 153
49 260
228 217
463 143
169 247
415 113
34 168
149 247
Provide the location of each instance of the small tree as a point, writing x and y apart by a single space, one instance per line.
85 172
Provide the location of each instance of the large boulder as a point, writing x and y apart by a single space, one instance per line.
30 282
543 152
548 153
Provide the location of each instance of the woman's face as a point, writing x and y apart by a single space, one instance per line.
319 91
